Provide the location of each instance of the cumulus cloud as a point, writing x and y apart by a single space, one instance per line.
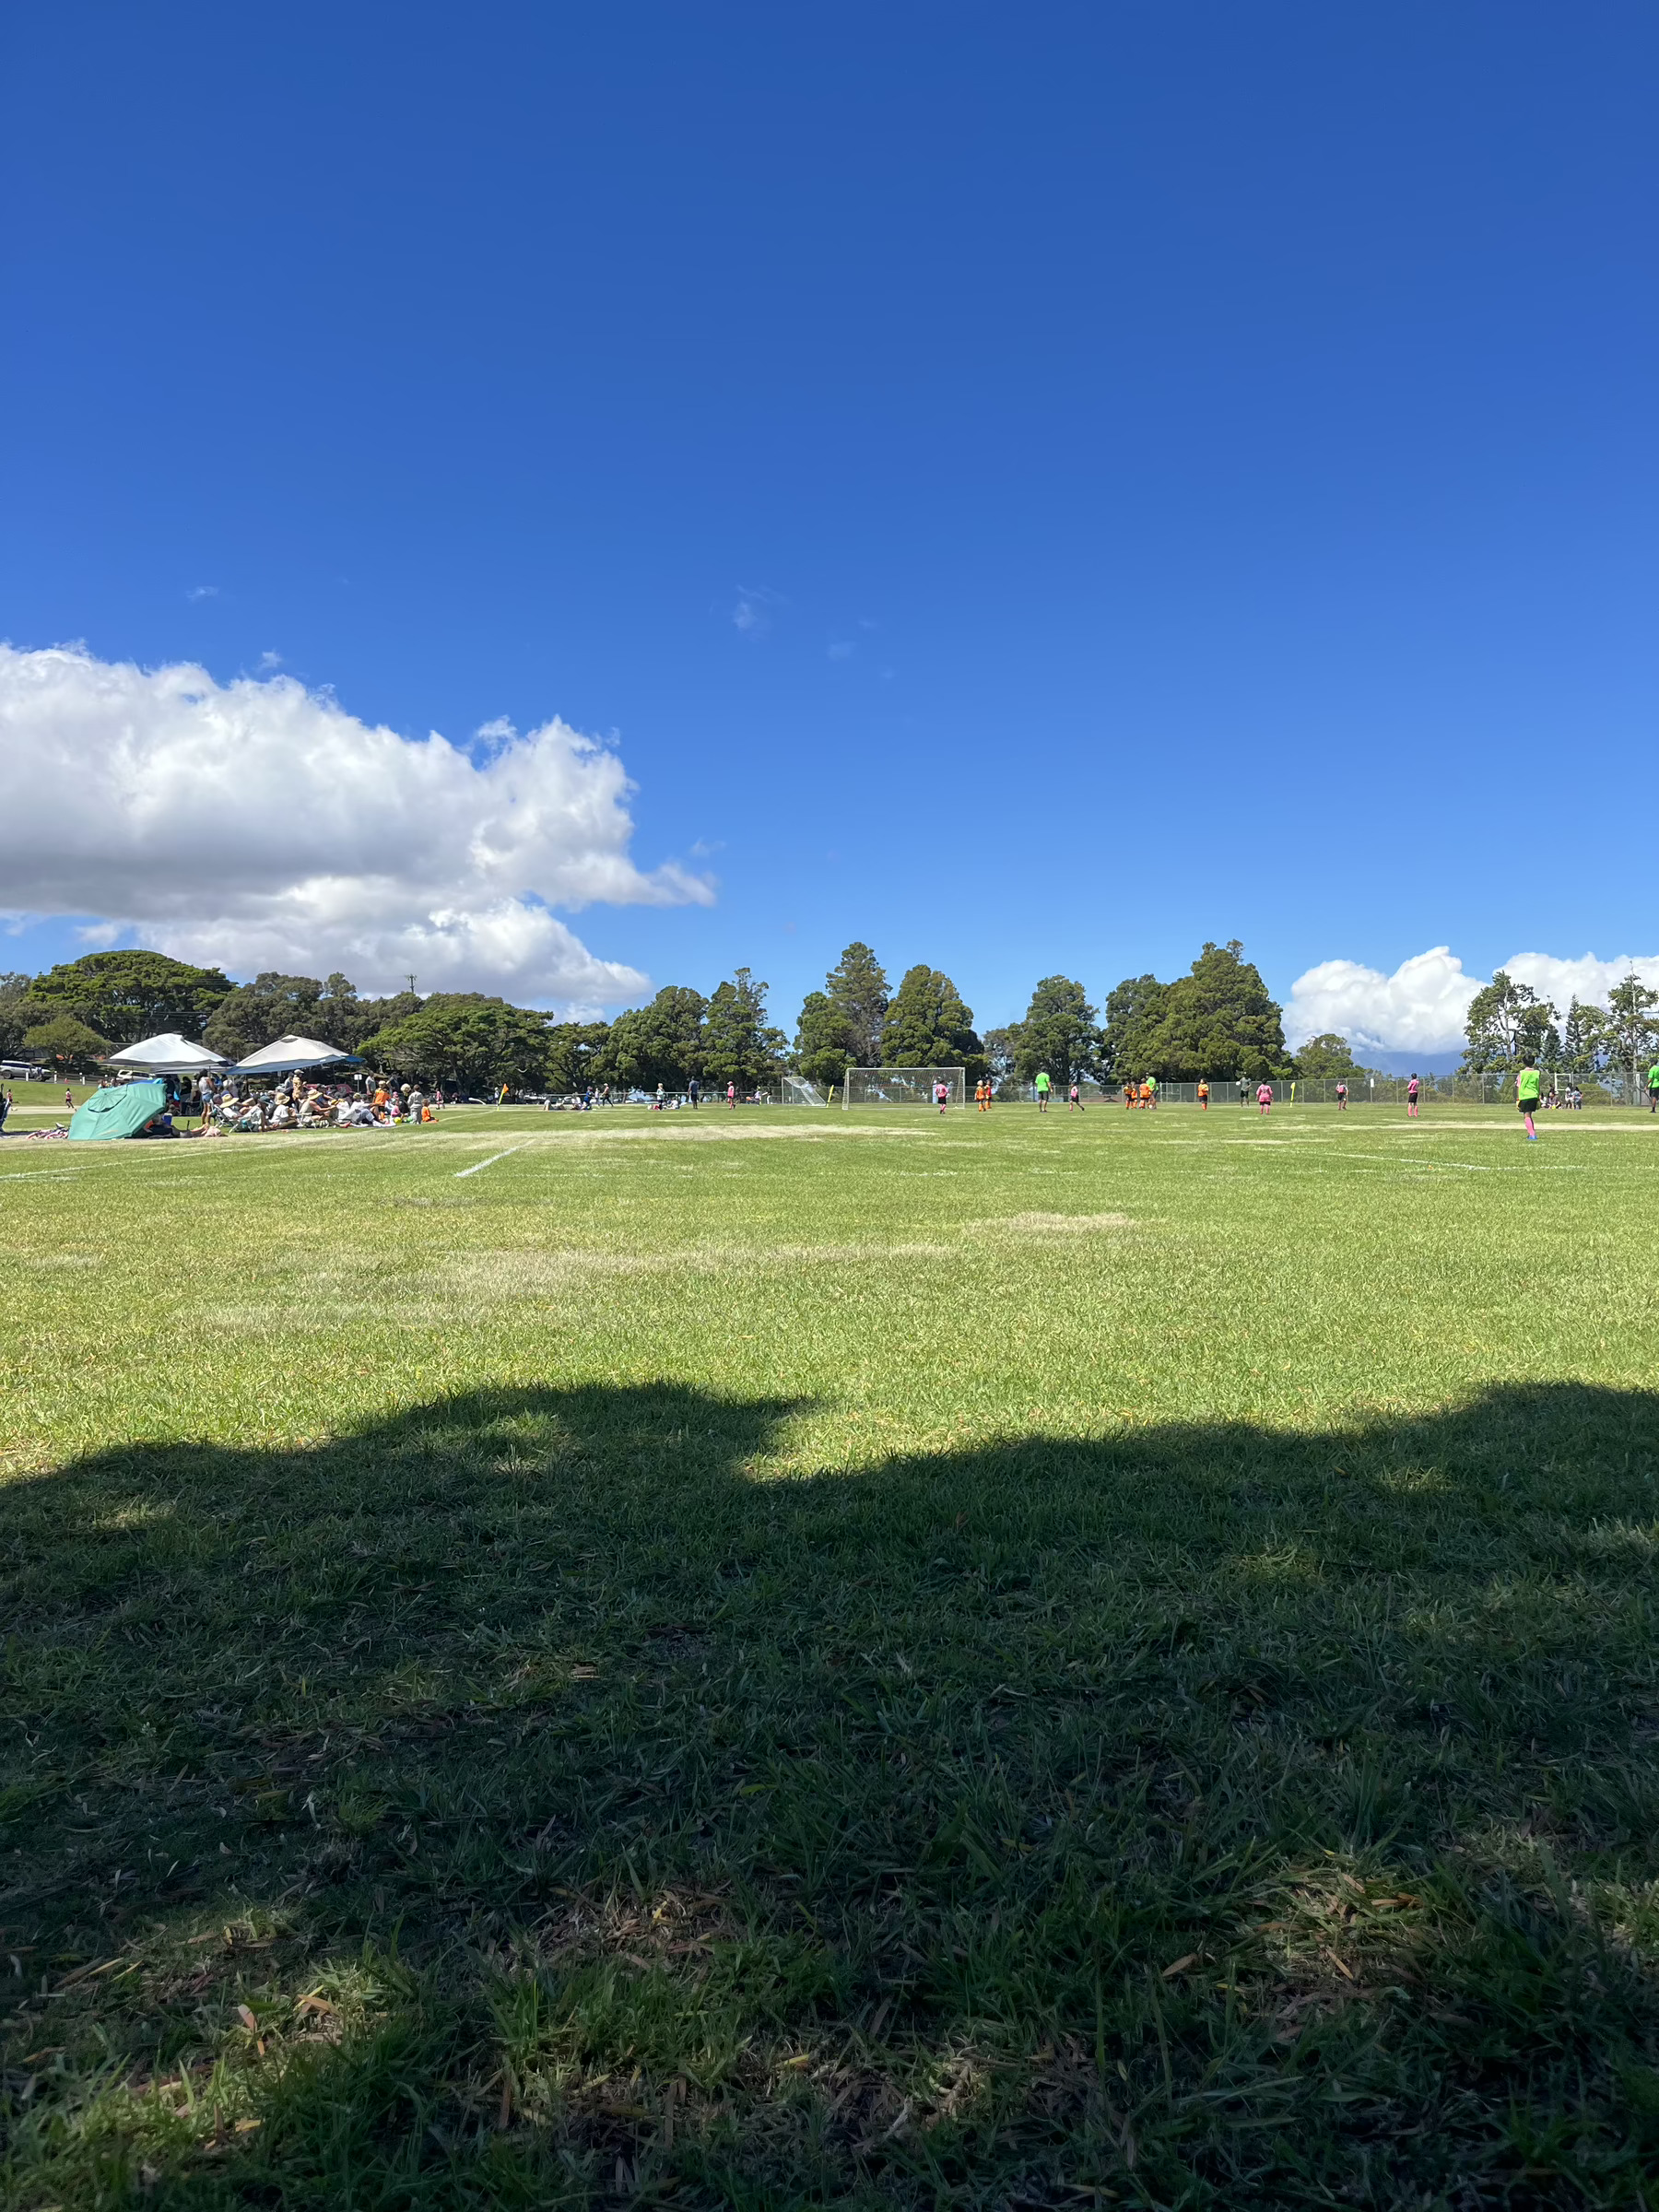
1586 979
260 825
1421 1007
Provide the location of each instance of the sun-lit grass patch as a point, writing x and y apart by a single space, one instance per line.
1032 1663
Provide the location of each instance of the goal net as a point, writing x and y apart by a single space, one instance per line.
903 1085
797 1092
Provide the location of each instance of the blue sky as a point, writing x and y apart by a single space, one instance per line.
1031 488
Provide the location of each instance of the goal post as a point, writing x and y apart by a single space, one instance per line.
903 1085
796 1090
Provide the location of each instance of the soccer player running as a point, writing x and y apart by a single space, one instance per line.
1412 1089
1042 1090
1527 1085
1074 1104
1152 1091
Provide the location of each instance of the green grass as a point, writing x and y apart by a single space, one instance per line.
769 1663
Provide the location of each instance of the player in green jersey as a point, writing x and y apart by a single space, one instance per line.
1527 1097
1042 1090
1653 1088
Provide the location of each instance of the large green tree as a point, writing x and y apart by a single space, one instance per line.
661 1042
1002 1050
342 1019
857 984
14 1013
256 1014
928 1024
577 1056
823 1045
1217 1020
1133 1012
1584 1042
1060 1033
67 1044
128 996
1632 1034
465 1041
1507 1022
739 1045
1329 1056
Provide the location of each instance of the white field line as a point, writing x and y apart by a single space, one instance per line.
1394 1160
478 1167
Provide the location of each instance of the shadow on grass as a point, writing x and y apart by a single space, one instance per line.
519 1803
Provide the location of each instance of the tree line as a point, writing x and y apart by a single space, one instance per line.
1217 1020
1508 1022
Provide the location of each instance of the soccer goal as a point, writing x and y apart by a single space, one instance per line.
903 1085
797 1092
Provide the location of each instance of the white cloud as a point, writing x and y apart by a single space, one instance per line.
259 825
755 606
203 591
1585 979
1421 1007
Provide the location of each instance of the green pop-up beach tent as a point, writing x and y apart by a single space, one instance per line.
122 1111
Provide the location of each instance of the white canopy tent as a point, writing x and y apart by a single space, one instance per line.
290 1054
168 1056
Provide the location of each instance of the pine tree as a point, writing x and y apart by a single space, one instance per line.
823 1045
739 1045
927 1024
1217 1020
857 984
1059 1032
1133 1013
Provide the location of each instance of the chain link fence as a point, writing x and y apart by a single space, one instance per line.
1611 1087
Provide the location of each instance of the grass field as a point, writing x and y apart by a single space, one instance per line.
800 1659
